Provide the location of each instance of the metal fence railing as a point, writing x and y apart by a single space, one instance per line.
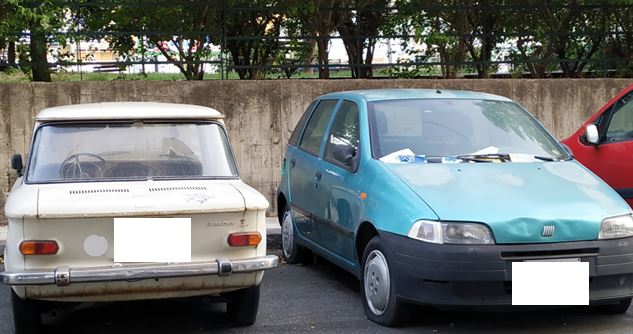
257 39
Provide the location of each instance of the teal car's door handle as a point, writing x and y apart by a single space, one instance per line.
293 162
317 178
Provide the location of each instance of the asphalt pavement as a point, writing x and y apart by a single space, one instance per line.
317 297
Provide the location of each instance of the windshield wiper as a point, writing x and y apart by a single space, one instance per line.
484 157
544 158
505 157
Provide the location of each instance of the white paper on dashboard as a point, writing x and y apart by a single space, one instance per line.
152 240
522 157
394 157
487 150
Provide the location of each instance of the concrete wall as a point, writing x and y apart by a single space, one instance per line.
260 115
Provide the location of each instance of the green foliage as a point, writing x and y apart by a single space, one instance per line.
252 35
571 38
187 25
318 18
44 20
559 33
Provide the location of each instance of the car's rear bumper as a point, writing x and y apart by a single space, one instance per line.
64 276
482 274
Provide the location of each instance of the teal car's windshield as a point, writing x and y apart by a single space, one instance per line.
457 130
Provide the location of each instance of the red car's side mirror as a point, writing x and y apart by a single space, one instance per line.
591 134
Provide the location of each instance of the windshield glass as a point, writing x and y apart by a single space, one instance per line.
458 131
129 151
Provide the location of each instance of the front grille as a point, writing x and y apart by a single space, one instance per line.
176 188
97 191
550 254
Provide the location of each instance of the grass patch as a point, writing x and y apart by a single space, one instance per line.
16 76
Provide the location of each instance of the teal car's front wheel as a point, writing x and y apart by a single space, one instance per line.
293 253
377 288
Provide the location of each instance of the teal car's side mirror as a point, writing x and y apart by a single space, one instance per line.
347 154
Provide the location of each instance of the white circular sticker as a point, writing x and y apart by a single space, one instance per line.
95 245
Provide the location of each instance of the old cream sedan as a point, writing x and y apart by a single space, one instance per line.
129 201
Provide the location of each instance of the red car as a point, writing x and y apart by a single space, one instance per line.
605 143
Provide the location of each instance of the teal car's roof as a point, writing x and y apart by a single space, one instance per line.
371 95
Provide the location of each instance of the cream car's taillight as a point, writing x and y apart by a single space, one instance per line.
39 247
244 239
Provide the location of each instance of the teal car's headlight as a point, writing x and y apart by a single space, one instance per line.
616 227
451 233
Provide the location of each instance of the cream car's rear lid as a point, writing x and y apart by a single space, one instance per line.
145 198
126 111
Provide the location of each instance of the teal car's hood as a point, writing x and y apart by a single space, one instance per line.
517 199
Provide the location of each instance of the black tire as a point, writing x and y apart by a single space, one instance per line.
394 312
617 308
27 316
242 306
292 251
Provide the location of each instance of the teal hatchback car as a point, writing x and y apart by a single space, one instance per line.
430 196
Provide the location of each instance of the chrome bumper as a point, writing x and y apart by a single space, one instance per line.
63 276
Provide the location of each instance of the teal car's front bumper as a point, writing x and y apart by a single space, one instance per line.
472 275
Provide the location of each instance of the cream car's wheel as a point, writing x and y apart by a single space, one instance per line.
242 306
378 288
27 316
293 253
619 307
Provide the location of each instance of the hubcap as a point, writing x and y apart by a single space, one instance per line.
376 282
287 234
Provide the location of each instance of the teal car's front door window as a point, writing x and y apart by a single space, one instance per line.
343 141
313 134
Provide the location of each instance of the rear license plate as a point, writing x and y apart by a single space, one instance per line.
152 240
550 282
574 259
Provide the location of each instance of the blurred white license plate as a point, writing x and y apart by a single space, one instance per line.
550 282
574 259
152 240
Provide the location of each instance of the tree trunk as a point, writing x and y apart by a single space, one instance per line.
367 71
11 54
38 50
351 47
324 69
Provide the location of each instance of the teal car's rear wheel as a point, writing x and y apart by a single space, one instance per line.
293 253
378 289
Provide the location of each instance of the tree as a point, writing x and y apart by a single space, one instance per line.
562 30
318 18
178 30
441 26
252 36
43 20
618 50
7 36
485 21
359 27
